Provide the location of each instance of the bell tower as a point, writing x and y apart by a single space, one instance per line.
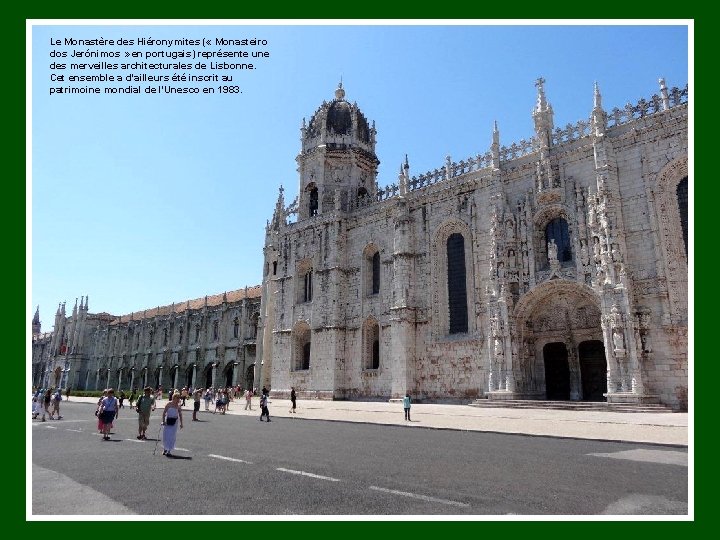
337 162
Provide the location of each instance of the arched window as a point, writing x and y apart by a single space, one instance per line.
165 337
682 200
557 230
197 332
216 328
456 282
362 192
180 335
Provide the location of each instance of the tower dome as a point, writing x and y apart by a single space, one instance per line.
339 122
337 162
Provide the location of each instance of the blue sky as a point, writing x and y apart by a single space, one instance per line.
144 200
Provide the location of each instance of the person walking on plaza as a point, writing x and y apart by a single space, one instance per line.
293 399
172 415
208 398
248 399
67 394
145 405
406 406
264 411
46 398
122 399
108 412
57 398
131 398
197 396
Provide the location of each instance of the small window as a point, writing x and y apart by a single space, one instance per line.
306 356
314 201
216 330
307 286
376 273
236 327
274 268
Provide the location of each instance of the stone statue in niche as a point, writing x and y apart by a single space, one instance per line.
552 251
618 339
498 347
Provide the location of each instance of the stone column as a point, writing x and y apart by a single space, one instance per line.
402 314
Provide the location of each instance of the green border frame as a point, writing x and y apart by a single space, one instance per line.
14 92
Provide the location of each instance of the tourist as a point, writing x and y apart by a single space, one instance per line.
171 414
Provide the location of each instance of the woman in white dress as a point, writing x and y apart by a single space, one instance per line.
171 417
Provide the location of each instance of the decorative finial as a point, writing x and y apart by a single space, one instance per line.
407 164
541 101
340 93
664 94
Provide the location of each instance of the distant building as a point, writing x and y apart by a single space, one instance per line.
204 342
553 268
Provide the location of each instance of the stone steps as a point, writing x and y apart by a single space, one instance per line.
599 406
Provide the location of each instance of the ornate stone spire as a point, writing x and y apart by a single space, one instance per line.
543 115
664 94
495 147
598 116
279 217
597 98
36 321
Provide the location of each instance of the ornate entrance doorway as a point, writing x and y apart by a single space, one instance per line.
557 372
593 370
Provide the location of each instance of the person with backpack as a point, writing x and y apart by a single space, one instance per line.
406 406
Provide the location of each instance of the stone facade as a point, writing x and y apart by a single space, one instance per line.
198 343
553 268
